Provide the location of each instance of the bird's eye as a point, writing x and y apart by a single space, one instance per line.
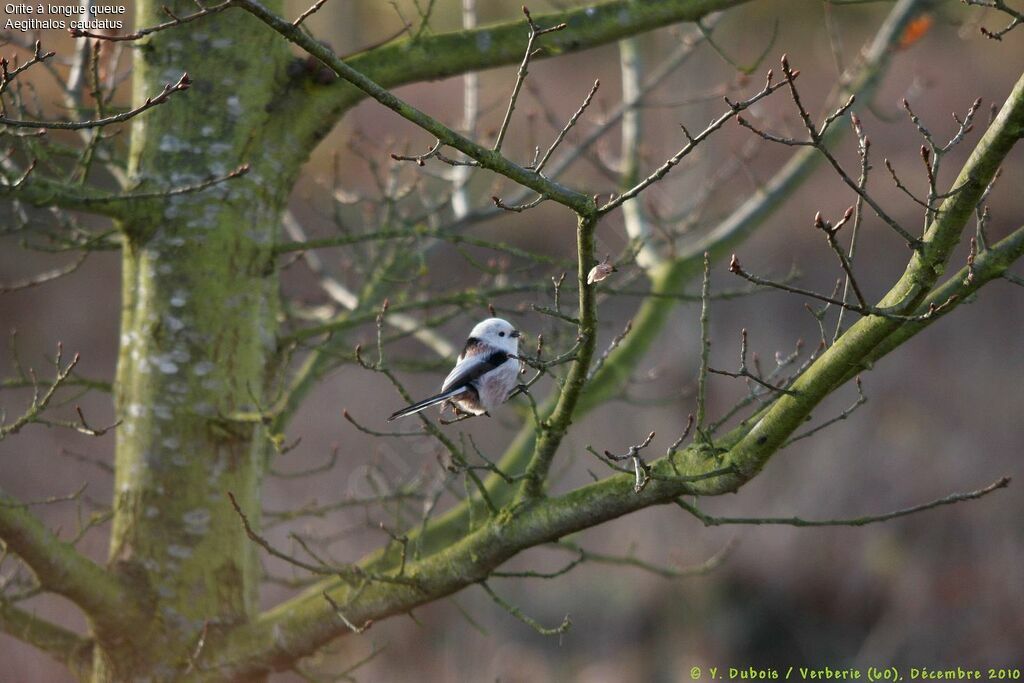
501 334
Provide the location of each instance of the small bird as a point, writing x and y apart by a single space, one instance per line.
485 374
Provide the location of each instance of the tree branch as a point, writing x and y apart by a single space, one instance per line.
486 47
65 646
60 568
432 57
855 347
305 623
553 428
486 158
864 520
44 192
989 265
183 83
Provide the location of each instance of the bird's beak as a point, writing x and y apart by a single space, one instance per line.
515 333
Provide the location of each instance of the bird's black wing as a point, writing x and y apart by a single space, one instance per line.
472 368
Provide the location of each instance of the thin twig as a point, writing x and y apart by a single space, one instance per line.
526 619
313 9
952 498
705 348
183 83
535 32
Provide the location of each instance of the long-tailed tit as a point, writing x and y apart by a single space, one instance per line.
485 375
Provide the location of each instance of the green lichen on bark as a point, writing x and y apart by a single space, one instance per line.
198 331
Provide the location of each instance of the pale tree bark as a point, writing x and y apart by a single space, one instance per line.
198 334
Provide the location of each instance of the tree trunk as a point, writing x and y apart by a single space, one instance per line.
198 331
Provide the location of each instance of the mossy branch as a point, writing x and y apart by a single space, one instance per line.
302 625
106 601
855 347
448 54
554 428
63 645
961 286
310 112
44 192
483 156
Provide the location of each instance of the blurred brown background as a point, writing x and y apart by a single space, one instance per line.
944 413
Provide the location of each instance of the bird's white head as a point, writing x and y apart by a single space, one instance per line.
497 333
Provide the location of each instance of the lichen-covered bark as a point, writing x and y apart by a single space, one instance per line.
554 427
198 328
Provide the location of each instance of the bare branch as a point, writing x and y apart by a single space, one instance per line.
641 470
814 140
568 126
64 645
490 159
40 401
43 278
706 567
951 499
184 83
1016 17
535 32
349 573
525 618
692 141
705 348
61 569
313 9
861 400
830 234
735 267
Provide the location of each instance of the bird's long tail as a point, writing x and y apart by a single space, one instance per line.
427 402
